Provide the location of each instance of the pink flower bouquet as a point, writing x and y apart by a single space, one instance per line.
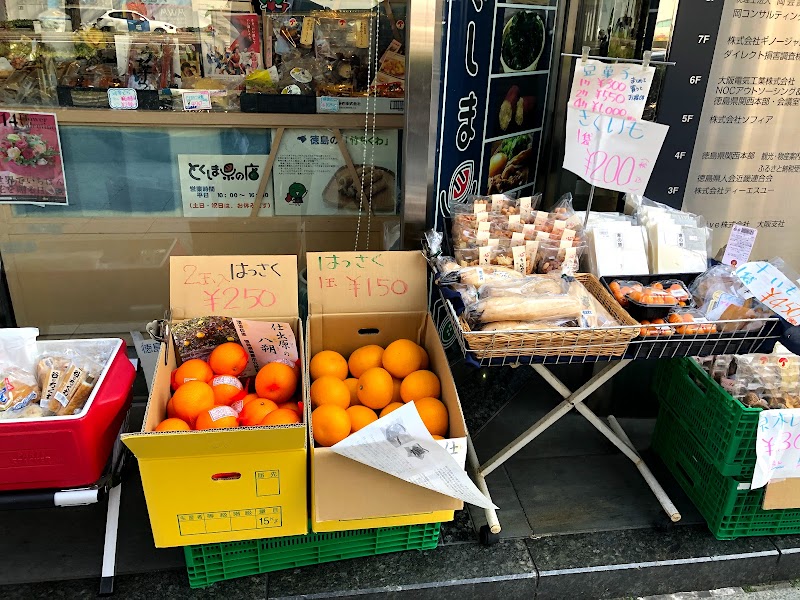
27 150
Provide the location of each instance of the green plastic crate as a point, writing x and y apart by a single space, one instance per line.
208 563
730 512
724 427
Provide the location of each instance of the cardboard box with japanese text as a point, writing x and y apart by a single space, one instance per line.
226 484
355 299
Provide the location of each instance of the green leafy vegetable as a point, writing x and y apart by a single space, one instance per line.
523 40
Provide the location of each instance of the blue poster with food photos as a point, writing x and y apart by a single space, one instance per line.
496 67
496 71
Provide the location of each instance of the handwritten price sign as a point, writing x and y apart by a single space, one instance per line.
772 288
233 286
612 152
618 90
777 446
348 282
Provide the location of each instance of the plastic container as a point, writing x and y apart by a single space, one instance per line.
209 563
70 451
724 428
729 507
650 312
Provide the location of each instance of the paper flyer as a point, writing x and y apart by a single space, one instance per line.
31 167
400 445
777 446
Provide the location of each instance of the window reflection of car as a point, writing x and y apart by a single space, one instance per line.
129 20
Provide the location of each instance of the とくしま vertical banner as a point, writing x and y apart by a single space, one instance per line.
31 162
496 70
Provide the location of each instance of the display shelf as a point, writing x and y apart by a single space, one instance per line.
172 224
157 118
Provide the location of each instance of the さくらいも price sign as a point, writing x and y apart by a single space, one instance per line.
772 288
235 286
614 153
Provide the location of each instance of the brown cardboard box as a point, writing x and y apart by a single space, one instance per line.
372 298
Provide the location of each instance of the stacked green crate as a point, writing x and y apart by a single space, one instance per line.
707 440
208 563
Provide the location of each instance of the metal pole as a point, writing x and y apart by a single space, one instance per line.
625 60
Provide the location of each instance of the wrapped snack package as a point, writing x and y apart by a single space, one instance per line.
67 380
720 296
531 285
18 387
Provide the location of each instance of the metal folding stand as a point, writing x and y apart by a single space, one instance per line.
572 400
108 486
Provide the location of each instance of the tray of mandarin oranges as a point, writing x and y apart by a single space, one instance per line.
349 393
215 394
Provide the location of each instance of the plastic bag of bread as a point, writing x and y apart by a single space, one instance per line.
531 285
451 272
720 296
525 305
592 313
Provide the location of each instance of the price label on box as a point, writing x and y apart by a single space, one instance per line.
200 100
123 99
328 104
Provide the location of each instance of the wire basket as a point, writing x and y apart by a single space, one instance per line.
560 344
579 345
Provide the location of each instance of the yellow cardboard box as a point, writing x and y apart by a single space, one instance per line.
359 298
224 485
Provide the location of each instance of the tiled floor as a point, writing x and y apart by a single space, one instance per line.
578 522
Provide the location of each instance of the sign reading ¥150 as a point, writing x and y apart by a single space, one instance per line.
31 166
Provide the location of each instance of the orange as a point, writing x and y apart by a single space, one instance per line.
366 357
425 360
329 390
330 363
228 359
254 412
437 437
330 424
282 416
192 370
238 405
375 388
360 417
401 358
295 406
352 385
192 398
433 414
276 381
227 389
391 407
396 383
173 425
219 417
420 384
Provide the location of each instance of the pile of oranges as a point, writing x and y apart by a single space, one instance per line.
210 394
347 395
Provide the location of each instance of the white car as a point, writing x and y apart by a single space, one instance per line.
129 20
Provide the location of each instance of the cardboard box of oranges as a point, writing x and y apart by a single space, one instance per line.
368 328
213 484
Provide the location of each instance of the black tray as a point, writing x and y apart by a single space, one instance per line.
644 312
278 103
81 97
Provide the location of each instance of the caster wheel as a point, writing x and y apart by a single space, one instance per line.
488 538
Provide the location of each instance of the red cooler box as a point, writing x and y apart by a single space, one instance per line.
66 452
